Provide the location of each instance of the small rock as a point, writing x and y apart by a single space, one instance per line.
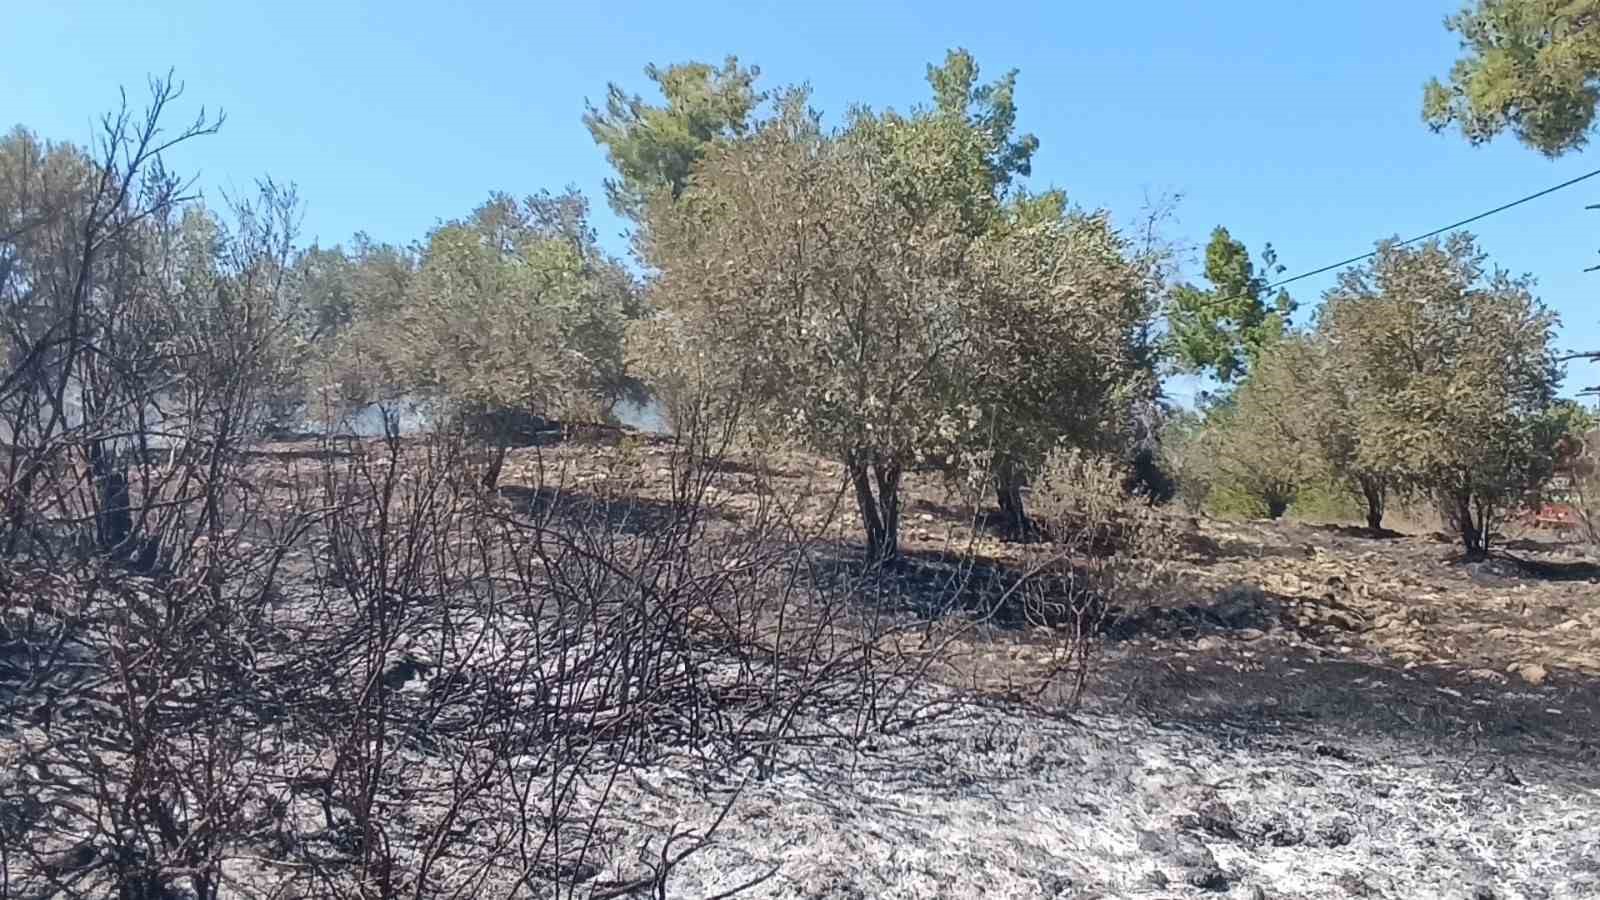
1341 622
1216 818
1056 884
1156 878
1532 673
1239 605
70 861
404 670
1276 830
1208 643
1354 885
1187 851
1256 892
1334 833
1331 751
1153 842
1207 879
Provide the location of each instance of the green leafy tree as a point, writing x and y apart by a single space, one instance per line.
1530 66
511 312
1331 405
654 147
361 291
1455 378
988 109
1222 329
796 269
1184 453
961 152
1259 439
1057 340
1058 350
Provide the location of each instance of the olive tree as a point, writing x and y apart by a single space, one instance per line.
355 364
100 250
860 291
1455 378
513 311
1259 440
793 265
1331 404
1057 341
1058 347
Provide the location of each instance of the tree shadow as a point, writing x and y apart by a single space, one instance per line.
726 466
1285 692
1236 609
296 454
1360 532
1499 567
1266 678
1005 594
631 515
1552 571
1535 545
930 584
984 521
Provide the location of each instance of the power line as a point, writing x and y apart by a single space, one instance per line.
1421 237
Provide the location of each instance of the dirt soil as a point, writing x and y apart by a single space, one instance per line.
1312 713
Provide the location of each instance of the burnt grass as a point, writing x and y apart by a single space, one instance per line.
1308 711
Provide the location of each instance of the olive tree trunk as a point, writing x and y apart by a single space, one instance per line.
1008 482
877 487
1376 495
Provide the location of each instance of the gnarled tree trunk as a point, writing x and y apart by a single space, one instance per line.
1470 521
1376 495
1008 493
877 487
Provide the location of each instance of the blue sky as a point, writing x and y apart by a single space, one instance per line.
1287 125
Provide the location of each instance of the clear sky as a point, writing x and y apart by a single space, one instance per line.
1292 123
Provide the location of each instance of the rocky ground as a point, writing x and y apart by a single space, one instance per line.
1316 712
1309 712
1006 802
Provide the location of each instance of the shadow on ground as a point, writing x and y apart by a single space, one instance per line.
1547 570
630 515
927 583
1243 667
1359 531
1289 692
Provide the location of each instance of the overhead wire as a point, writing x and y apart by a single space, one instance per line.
1421 237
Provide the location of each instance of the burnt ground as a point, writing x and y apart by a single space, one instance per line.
1306 712
1388 638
